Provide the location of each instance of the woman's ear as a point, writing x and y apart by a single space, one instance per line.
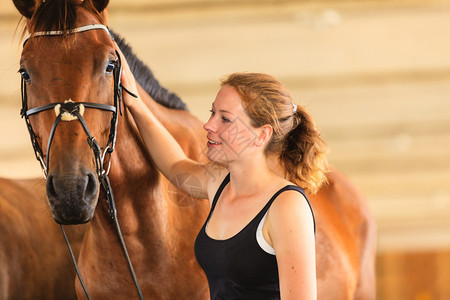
265 133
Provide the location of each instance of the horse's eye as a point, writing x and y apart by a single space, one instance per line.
24 75
110 67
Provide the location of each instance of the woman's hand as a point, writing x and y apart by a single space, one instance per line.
128 81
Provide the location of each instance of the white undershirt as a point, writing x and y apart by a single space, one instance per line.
260 238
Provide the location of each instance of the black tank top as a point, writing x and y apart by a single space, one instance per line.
237 267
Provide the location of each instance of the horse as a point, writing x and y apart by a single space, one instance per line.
34 262
159 223
345 241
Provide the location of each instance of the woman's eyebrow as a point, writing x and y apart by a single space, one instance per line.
222 110
225 111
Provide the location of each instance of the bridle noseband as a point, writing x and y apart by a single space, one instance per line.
73 109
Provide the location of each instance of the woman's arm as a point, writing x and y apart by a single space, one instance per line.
291 232
161 145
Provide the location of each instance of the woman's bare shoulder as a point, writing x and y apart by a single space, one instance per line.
290 212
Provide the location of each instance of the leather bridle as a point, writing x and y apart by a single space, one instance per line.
73 109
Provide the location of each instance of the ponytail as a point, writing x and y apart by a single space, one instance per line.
304 153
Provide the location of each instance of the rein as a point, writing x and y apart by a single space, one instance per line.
74 110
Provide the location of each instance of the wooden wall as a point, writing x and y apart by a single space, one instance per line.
413 275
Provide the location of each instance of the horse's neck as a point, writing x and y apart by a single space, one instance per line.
140 190
135 180
150 211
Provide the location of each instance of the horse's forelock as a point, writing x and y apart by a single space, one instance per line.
60 15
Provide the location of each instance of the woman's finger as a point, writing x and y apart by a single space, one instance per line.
127 78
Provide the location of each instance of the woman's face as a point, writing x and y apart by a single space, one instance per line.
229 131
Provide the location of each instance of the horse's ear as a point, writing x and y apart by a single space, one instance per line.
100 5
25 7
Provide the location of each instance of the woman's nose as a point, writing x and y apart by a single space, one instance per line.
209 126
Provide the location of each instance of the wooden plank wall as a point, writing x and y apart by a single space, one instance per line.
413 275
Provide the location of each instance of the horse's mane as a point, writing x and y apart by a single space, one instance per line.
146 79
61 15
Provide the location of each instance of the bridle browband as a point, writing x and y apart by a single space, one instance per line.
71 31
73 109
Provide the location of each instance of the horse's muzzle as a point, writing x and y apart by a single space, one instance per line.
72 197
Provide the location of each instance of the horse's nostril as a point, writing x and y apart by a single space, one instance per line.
50 187
91 186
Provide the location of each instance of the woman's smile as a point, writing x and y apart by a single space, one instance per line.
212 143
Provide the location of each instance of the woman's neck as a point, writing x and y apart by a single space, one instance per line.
249 176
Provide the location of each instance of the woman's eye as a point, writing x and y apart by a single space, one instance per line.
110 67
24 75
224 119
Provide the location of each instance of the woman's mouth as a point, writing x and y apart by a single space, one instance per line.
212 143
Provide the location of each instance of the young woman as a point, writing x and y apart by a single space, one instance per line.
264 150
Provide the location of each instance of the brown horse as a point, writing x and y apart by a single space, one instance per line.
345 241
159 223
34 261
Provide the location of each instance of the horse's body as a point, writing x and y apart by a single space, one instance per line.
34 261
345 241
159 223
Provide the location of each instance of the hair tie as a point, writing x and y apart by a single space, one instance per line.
294 108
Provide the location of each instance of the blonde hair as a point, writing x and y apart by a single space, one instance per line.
295 139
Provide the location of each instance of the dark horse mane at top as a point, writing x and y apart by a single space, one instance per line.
146 79
61 15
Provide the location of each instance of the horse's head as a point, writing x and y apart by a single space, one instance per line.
79 67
